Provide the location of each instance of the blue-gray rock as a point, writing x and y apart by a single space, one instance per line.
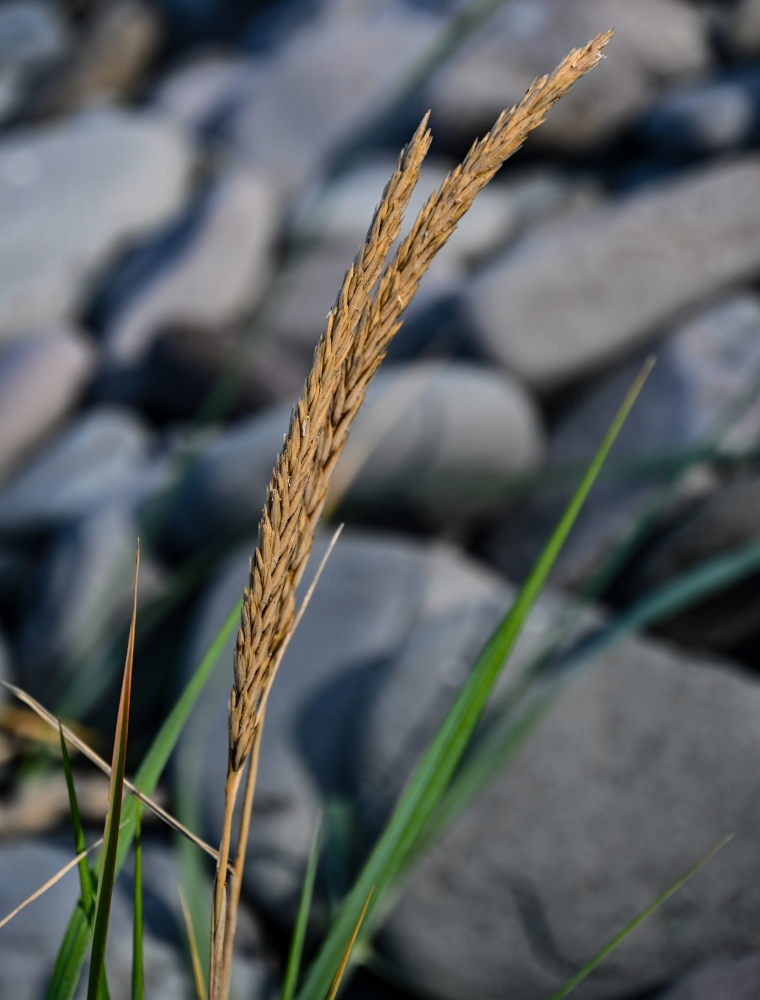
732 978
704 370
638 769
709 117
199 92
741 29
376 594
74 194
210 273
320 84
33 36
439 441
94 460
41 377
580 293
657 42
83 597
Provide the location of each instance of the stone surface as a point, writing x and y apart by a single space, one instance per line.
732 978
709 117
113 49
208 271
83 596
318 86
96 459
71 196
704 382
41 378
635 773
376 594
30 942
583 292
725 521
742 34
656 43
33 35
434 441
198 93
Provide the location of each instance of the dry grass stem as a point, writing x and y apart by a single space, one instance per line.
50 882
359 330
79 744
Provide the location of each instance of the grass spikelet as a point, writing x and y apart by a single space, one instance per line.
359 330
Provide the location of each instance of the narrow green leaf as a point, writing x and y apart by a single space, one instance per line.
76 940
86 881
302 919
432 776
113 819
589 967
138 974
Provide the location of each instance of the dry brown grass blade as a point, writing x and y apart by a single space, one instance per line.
195 958
50 882
334 986
79 744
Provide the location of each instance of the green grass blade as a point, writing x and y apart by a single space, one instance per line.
77 937
587 969
429 782
113 819
507 733
86 881
302 919
138 974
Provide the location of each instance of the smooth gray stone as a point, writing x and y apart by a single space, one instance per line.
211 277
83 597
41 378
657 43
95 459
704 369
72 195
741 29
638 769
316 89
709 117
584 292
33 36
375 596
441 441
29 943
202 88
732 978
727 520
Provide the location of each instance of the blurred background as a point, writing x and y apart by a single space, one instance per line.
183 184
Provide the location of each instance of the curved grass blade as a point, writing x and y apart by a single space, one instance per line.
507 733
302 918
433 774
589 967
199 978
86 880
138 966
76 940
113 819
338 978
49 883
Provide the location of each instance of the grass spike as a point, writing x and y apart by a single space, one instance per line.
113 819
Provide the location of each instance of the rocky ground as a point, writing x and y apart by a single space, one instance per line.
182 186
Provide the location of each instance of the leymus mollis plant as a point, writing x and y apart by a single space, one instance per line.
359 330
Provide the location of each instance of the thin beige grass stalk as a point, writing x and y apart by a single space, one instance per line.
359 331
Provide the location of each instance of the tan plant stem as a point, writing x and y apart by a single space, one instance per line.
359 330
